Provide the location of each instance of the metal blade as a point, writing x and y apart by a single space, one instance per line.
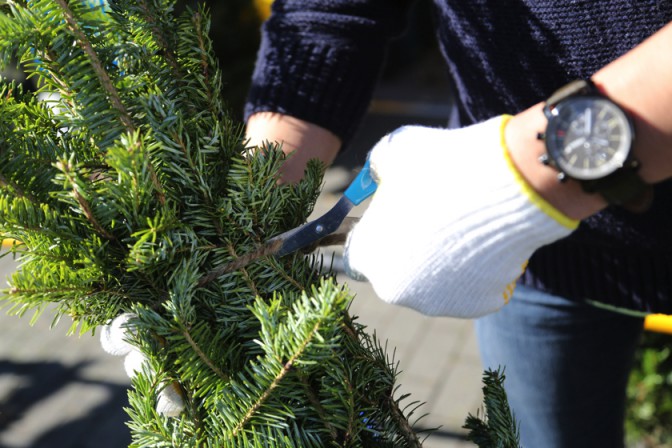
330 228
309 233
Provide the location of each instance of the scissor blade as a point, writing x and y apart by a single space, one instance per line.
361 188
303 236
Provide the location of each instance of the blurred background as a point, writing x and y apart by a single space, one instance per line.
65 392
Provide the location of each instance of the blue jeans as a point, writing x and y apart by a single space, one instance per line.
566 367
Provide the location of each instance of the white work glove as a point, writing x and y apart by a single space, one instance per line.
452 224
114 340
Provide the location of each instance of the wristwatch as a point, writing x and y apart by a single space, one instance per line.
589 138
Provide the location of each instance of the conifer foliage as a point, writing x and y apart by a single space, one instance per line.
124 183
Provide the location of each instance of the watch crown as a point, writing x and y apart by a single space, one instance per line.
541 136
544 159
562 177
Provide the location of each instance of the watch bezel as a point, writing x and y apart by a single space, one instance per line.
553 146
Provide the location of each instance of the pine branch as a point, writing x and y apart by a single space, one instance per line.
286 368
203 356
498 428
149 15
105 81
66 168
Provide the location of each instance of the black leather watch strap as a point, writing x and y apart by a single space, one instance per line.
623 188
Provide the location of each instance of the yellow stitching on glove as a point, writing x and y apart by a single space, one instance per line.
508 291
531 194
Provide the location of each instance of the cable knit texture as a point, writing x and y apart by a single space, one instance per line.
320 59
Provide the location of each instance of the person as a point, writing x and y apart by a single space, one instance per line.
480 211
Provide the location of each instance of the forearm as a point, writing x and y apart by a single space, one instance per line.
300 140
320 61
640 81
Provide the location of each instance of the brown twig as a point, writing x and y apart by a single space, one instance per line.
241 262
271 247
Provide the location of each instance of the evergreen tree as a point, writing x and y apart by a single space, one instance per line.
125 184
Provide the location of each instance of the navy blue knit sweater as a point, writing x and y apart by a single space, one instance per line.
319 61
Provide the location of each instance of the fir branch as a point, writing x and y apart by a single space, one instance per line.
16 189
397 415
50 56
63 290
286 368
267 393
149 16
158 188
315 401
246 275
203 356
140 116
105 82
104 78
197 20
402 423
498 428
177 138
82 202
283 273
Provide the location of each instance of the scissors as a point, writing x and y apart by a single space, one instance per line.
313 233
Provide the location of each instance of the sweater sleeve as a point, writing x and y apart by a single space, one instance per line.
319 60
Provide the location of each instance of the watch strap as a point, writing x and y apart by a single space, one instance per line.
578 87
623 188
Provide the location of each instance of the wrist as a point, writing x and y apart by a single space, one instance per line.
638 83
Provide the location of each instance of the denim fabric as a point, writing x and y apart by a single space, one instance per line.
566 365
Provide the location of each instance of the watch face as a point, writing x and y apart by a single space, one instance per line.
588 137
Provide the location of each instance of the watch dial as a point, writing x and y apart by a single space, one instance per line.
589 137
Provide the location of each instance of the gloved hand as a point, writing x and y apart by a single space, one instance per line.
452 224
113 338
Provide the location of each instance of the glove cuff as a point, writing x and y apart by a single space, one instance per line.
527 189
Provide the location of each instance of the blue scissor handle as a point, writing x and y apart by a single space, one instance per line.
362 187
